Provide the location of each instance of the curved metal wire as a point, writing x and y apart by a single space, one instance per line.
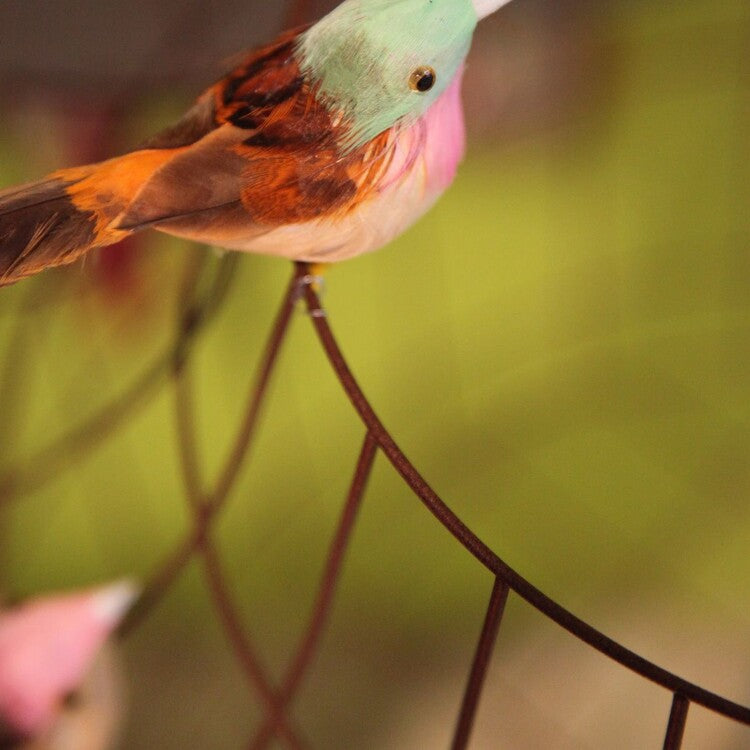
64 452
278 700
684 691
207 503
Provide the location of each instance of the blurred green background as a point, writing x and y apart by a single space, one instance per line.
561 347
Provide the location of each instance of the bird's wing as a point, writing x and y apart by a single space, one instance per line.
261 70
258 149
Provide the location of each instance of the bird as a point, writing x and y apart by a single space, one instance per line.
59 684
324 144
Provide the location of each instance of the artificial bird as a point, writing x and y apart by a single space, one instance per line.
326 143
58 683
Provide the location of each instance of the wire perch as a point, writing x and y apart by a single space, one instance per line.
208 504
684 692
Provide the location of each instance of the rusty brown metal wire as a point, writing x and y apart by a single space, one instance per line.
213 503
200 505
73 446
482 658
677 722
686 691
301 661
206 506
198 542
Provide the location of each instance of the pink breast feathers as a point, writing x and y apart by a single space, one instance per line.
427 153
445 135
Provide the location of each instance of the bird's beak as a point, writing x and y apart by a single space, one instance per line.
112 602
485 7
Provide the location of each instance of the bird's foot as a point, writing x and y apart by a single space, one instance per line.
315 280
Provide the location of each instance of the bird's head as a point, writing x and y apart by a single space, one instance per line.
379 62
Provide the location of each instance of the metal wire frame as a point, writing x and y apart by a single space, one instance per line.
506 578
196 310
277 700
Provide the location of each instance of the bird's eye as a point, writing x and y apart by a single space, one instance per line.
72 700
422 79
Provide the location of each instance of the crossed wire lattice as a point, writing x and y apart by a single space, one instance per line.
195 311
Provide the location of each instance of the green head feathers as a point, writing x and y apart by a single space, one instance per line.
383 61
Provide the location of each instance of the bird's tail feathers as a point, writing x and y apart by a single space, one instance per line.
56 220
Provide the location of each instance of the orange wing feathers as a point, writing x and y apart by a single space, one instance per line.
105 189
257 151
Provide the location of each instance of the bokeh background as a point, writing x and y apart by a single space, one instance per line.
561 347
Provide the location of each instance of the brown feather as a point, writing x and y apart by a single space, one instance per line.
55 221
258 150
40 227
197 179
274 149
